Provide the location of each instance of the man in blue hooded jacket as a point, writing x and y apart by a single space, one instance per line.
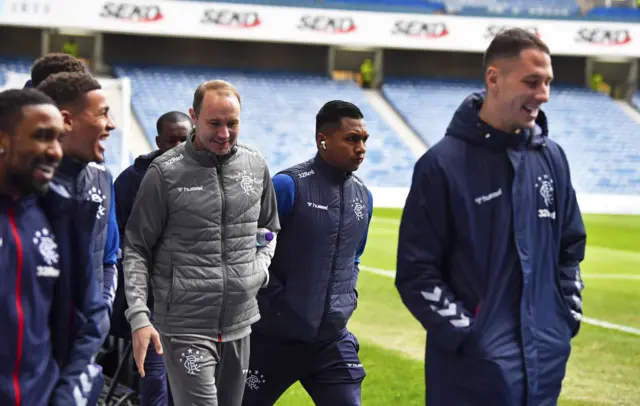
491 241
50 307
173 128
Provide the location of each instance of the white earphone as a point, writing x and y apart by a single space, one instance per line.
324 144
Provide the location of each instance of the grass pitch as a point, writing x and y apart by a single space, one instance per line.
604 368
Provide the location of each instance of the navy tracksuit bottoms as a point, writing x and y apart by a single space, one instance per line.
330 370
154 388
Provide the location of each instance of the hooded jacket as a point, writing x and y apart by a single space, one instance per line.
52 309
489 253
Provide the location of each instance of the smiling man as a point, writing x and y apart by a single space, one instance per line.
324 212
87 124
50 305
491 241
192 232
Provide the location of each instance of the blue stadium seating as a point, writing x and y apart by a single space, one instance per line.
112 145
542 8
18 65
600 140
278 115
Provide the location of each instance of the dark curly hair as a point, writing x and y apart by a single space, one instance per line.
12 102
68 89
54 63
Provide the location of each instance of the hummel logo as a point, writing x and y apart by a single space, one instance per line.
317 206
189 189
490 196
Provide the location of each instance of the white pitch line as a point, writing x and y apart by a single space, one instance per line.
587 320
392 274
611 326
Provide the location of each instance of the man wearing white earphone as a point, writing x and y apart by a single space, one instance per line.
324 211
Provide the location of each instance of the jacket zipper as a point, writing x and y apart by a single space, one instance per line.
223 262
335 252
16 369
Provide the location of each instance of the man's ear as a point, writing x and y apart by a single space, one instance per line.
319 138
491 77
192 113
67 119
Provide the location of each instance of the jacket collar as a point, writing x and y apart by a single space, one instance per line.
142 163
331 172
467 125
20 203
206 158
70 168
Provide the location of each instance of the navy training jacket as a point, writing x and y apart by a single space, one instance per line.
489 253
126 188
94 182
324 216
51 308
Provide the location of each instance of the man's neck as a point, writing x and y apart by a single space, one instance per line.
5 189
490 115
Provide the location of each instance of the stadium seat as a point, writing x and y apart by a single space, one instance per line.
600 140
278 115
542 8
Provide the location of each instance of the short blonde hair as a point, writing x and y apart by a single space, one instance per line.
219 86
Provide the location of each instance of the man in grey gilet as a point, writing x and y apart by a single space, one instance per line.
192 231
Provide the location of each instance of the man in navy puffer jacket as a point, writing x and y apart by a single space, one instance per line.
324 211
51 308
491 241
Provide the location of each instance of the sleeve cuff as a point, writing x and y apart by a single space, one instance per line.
139 321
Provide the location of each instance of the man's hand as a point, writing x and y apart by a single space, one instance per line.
141 338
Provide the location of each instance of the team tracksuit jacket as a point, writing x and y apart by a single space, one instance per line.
93 182
51 308
489 249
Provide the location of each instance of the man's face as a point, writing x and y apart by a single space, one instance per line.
218 123
520 86
87 128
346 145
172 134
33 151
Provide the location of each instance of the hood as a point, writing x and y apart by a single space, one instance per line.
142 163
466 125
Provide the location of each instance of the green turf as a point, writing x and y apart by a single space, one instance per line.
604 368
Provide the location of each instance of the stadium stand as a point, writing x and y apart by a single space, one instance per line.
113 143
17 65
602 160
278 115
